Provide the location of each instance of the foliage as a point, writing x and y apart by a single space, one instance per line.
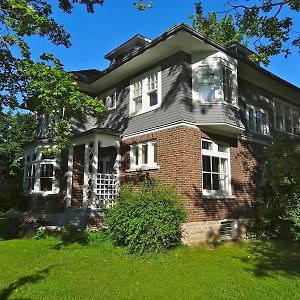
41 85
71 234
222 31
277 207
15 131
268 23
148 217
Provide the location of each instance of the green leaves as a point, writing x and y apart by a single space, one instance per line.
223 31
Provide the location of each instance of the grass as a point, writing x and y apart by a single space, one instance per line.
37 269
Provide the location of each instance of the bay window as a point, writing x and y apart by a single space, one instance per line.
215 169
227 76
143 155
206 89
145 92
39 172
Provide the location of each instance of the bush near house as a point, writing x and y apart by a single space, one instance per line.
148 217
278 205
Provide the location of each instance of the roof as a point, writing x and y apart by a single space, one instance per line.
87 76
182 27
126 45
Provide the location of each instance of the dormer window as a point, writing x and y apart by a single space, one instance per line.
145 92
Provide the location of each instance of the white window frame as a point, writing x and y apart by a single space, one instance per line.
215 63
262 111
220 154
110 94
145 94
38 163
151 163
292 109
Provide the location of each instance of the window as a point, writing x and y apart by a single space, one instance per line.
137 96
29 180
145 92
39 172
47 176
287 118
215 168
111 101
227 84
206 89
258 120
143 155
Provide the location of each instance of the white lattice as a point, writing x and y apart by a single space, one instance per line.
106 190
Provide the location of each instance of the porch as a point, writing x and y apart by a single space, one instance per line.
93 171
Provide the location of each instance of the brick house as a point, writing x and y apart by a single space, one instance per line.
180 108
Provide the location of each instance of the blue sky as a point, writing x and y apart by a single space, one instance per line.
94 35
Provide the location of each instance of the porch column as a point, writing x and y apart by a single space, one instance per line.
86 176
70 177
95 169
117 166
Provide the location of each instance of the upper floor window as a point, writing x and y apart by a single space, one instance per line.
215 169
206 88
286 118
29 178
258 120
227 76
214 80
143 155
145 92
110 99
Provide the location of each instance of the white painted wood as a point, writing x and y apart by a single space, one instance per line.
86 176
70 177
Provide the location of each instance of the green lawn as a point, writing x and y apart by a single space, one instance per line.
36 269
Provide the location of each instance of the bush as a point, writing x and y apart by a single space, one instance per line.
148 217
71 234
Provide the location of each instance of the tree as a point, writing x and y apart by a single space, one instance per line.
42 84
15 131
268 23
222 31
278 205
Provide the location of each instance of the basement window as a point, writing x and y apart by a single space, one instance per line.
228 229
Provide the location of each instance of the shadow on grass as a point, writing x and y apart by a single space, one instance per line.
34 278
268 259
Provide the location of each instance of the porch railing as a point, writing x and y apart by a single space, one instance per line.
106 191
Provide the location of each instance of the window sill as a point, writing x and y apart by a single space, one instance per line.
133 114
43 193
143 168
218 196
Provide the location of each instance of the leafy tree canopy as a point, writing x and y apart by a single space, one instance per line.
43 82
267 23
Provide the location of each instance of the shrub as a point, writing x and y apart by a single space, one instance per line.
148 217
71 234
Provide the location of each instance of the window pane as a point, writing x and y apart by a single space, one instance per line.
216 183
288 119
296 122
251 119
206 163
206 181
206 88
137 104
135 152
215 164
154 145
265 123
222 148
206 145
153 98
279 116
227 84
46 184
144 153
258 121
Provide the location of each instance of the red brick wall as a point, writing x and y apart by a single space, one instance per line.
179 159
78 176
